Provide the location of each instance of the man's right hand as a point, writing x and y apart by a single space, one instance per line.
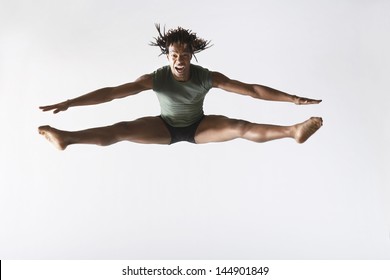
63 106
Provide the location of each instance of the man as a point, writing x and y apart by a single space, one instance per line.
181 88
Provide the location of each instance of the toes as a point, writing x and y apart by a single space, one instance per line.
308 128
42 129
317 120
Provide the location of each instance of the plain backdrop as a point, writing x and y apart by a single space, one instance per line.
326 199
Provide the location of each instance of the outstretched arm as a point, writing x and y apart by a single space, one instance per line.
257 91
102 95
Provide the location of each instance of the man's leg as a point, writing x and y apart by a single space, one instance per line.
148 130
221 128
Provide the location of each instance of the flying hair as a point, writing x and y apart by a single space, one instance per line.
179 35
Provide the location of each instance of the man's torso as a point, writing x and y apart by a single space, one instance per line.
181 102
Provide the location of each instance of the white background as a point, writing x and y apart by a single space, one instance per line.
326 199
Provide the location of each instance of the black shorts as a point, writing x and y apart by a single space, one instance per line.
186 133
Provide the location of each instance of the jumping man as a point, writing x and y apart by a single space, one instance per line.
181 88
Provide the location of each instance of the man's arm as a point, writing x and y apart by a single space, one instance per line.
102 95
257 91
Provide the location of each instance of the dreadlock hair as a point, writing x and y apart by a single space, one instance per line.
179 35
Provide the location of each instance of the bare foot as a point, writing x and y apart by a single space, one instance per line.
306 129
53 135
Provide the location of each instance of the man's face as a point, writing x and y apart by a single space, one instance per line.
179 57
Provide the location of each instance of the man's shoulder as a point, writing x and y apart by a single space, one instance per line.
161 72
202 76
160 76
162 69
199 68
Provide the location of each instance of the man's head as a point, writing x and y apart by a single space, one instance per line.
179 45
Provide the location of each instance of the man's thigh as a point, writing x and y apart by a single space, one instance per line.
146 130
216 128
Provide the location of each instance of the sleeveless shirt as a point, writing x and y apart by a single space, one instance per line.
181 102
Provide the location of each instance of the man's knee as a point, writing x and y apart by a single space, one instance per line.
121 130
239 127
234 128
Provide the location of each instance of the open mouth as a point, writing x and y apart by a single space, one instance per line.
180 69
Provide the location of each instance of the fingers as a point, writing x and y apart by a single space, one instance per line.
307 101
311 101
49 108
56 107
45 108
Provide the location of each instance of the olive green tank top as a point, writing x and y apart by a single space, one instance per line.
181 102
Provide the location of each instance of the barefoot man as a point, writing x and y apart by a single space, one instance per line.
181 88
